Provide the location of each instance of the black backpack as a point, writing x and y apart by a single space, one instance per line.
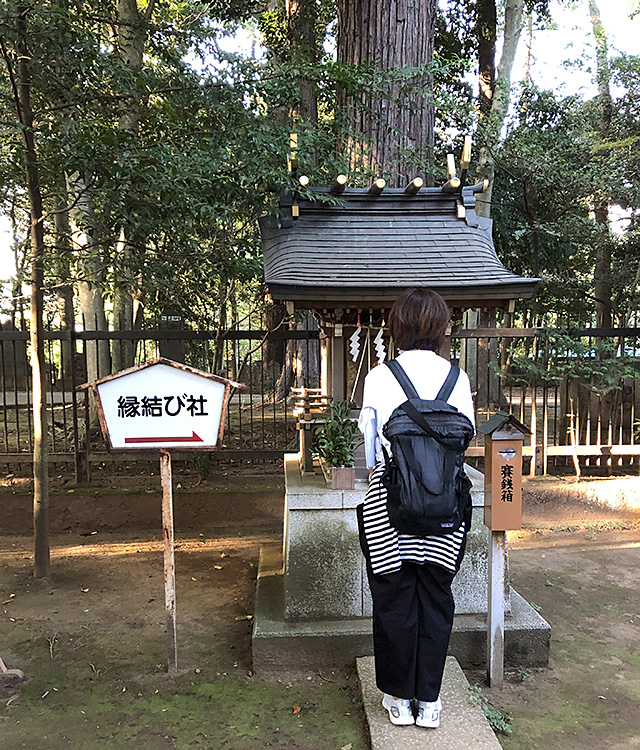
427 488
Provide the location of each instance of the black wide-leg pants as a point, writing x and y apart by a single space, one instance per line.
412 619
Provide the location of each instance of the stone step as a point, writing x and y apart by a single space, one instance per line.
463 725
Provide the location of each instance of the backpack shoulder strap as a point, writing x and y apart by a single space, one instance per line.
449 384
402 378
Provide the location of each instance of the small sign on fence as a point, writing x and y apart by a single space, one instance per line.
162 406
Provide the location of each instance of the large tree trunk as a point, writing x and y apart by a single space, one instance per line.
513 22
21 84
123 351
486 24
390 34
301 21
602 270
302 361
129 42
66 313
85 238
273 350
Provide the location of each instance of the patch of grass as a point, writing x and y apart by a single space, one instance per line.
499 721
92 697
608 526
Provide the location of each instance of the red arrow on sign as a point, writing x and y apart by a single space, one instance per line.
193 438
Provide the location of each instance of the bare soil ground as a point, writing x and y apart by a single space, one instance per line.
92 639
577 562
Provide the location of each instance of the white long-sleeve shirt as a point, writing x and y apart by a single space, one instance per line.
382 394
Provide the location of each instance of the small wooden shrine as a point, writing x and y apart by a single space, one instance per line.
349 253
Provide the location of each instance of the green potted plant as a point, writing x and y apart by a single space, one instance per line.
336 442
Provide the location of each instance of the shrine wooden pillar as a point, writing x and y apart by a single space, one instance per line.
337 368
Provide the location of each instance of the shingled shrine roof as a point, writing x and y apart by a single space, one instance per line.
367 249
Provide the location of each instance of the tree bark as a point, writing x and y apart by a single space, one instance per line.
21 84
486 24
66 312
273 350
85 237
123 351
129 42
301 365
602 270
301 20
513 22
390 34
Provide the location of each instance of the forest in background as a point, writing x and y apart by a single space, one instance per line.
156 151
136 156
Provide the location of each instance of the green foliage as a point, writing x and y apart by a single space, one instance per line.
339 437
550 165
498 720
203 160
598 364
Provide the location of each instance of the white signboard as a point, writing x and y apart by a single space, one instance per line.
162 405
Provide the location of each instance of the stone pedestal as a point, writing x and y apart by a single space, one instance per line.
313 603
324 571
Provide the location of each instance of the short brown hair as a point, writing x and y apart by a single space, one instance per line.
419 320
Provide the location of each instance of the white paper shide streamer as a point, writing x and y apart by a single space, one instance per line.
381 353
354 346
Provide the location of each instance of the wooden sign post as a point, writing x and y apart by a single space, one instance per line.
162 406
504 436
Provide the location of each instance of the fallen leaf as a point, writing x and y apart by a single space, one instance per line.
193 579
244 617
84 591
296 709
346 747
218 567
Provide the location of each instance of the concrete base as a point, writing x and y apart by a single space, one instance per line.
324 569
463 725
279 645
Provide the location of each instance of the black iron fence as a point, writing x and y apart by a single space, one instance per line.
576 391
259 423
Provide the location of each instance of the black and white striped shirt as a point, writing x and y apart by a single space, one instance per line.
387 548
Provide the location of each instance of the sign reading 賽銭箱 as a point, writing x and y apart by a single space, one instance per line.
162 404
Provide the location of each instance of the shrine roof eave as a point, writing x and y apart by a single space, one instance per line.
461 296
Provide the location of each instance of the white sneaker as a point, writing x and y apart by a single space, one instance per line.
399 709
429 714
